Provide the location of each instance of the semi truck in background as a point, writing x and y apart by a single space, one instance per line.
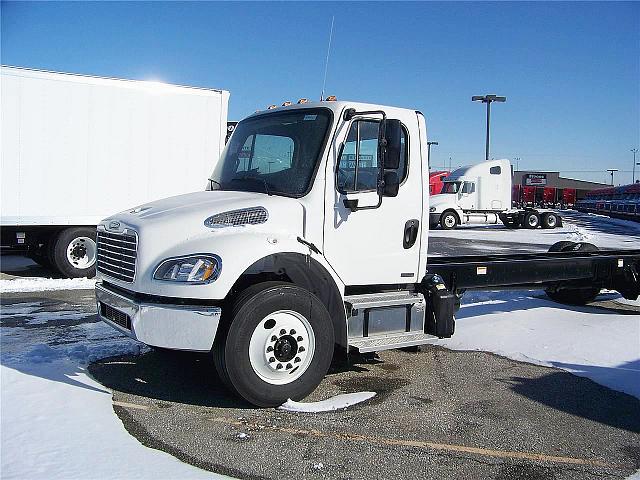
75 148
482 193
313 233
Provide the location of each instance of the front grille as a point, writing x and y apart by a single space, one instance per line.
117 254
116 316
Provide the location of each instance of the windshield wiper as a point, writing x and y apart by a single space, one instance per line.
267 190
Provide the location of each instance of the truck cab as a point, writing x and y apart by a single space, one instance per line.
317 202
475 193
309 238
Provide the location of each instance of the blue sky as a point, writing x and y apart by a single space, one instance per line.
570 71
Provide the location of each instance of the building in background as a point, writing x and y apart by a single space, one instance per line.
534 187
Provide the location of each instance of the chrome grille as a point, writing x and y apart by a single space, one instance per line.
117 253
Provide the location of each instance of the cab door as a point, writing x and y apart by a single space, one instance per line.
379 245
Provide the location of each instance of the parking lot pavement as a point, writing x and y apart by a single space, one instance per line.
437 414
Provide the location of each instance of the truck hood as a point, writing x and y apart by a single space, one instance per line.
188 212
175 226
441 200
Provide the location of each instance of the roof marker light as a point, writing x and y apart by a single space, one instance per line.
271 107
286 104
331 98
303 100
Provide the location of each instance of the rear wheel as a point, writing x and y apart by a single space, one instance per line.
277 345
73 252
449 220
572 295
549 220
531 220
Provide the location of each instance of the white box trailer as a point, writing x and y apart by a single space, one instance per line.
76 148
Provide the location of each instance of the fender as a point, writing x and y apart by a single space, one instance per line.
303 271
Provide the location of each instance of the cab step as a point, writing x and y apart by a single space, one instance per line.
386 299
388 342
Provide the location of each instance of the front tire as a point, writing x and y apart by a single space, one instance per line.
73 252
449 220
277 344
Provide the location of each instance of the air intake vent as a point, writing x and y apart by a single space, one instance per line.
235 218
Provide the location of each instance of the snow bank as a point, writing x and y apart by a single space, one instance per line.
526 326
37 284
334 403
57 422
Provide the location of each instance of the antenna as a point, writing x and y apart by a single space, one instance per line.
326 63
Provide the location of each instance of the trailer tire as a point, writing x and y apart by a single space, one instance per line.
568 295
73 252
277 344
549 220
531 220
449 220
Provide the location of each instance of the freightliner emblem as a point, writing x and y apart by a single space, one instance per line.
114 225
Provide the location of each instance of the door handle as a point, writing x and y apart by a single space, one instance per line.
410 233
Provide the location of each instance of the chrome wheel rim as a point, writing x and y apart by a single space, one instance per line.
282 347
81 252
449 221
533 220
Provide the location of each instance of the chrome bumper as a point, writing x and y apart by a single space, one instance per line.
180 327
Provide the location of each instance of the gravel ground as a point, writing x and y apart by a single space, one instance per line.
432 410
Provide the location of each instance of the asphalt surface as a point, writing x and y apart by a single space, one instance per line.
437 414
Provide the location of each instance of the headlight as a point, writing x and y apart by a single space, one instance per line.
194 269
432 209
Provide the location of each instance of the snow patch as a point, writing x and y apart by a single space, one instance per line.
334 403
45 284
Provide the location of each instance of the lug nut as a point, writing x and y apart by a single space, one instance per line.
289 366
301 349
299 338
271 360
292 332
283 331
274 338
296 360
279 366
269 348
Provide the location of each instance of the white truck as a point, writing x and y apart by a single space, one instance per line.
311 235
76 148
481 193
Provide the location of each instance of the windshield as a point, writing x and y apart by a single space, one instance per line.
450 187
274 153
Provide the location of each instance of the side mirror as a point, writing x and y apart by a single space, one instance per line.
390 153
391 185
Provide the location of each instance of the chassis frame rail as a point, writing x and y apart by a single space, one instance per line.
615 269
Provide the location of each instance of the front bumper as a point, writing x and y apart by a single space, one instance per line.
180 327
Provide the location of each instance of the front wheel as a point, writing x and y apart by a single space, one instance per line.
277 344
449 220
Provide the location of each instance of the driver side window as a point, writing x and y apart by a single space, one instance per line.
358 163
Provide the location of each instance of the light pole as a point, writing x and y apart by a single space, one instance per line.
612 171
429 151
488 99
634 150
